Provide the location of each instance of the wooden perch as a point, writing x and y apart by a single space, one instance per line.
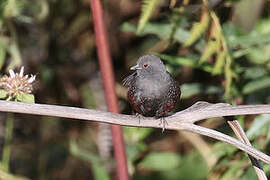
183 120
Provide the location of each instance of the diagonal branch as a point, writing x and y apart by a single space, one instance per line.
182 120
227 139
239 132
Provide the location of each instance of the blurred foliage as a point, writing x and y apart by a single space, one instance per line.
211 54
148 7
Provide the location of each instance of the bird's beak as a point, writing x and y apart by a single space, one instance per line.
135 67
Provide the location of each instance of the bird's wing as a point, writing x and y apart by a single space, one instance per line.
129 80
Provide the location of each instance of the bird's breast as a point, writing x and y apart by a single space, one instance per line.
151 88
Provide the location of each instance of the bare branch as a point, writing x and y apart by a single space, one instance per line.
182 120
239 132
204 110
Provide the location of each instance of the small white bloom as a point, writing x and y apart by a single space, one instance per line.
9 86
20 88
32 78
11 73
17 83
21 71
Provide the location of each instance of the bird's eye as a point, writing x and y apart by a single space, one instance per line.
145 65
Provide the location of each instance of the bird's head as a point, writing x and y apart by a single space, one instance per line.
149 64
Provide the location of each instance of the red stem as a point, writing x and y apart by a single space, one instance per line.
109 86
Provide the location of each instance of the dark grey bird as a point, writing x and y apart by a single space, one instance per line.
152 91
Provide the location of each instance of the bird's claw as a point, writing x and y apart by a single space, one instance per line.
139 116
163 123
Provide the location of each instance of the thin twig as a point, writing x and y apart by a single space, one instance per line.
239 132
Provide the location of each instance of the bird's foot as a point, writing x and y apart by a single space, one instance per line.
163 123
139 116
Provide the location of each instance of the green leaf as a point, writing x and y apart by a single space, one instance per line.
197 30
186 62
99 172
249 41
250 174
254 72
266 168
3 44
89 100
193 167
23 97
221 149
148 8
228 75
264 26
234 171
219 63
3 94
98 169
260 122
258 55
128 27
15 53
8 176
3 3
133 150
210 49
162 30
11 9
189 90
256 85
2 57
134 134
160 161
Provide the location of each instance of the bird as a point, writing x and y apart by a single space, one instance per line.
152 92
